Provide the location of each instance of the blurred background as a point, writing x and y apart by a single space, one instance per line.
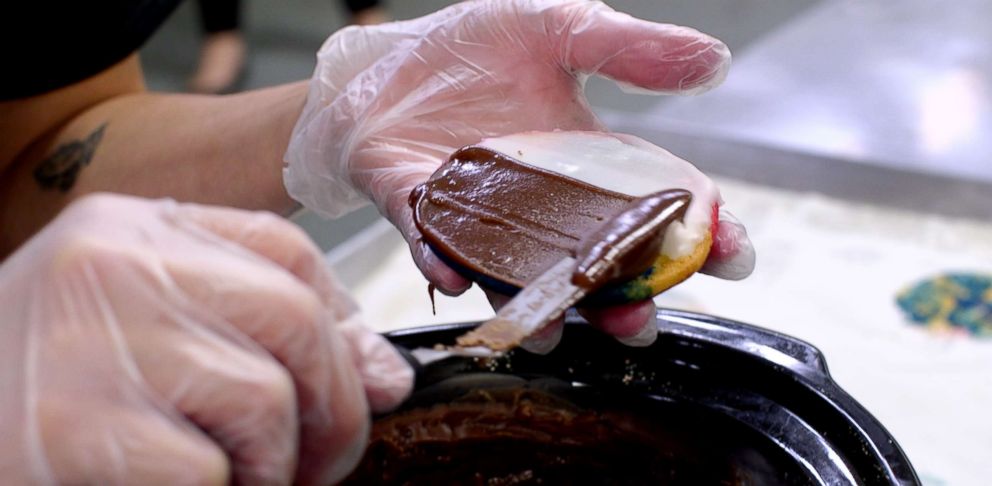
282 39
868 100
852 137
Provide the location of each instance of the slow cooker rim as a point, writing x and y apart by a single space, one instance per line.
780 352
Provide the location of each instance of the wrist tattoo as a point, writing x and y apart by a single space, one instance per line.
60 169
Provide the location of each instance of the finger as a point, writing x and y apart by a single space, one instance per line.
389 182
660 58
289 321
545 339
248 295
386 376
444 278
240 397
732 255
633 324
496 299
273 238
99 443
541 342
216 289
336 428
196 348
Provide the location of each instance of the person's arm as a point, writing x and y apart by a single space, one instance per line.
107 133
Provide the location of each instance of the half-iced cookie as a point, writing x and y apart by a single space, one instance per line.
503 211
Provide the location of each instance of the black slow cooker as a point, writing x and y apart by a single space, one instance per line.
712 401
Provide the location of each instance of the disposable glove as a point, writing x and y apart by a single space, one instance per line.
389 103
149 342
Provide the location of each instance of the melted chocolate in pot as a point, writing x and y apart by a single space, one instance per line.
524 436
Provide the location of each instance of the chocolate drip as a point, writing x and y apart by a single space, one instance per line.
430 291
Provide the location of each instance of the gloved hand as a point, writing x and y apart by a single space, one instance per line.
149 342
389 103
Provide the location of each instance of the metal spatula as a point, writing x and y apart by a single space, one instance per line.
637 229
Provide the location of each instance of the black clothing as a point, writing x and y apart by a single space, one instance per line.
219 15
355 6
49 44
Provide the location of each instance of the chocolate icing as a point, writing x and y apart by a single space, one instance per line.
510 221
628 243
527 436
623 247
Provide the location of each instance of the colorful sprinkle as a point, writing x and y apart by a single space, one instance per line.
958 302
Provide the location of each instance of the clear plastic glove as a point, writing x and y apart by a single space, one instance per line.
149 342
389 103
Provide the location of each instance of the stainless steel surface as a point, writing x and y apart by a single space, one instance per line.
887 102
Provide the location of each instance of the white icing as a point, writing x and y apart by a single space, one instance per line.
620 163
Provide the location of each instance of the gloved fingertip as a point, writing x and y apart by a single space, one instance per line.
646 336
445 279
622 321
497 300
386 376
388 384
708 74
690 80
344 464
644 56
546 339
738 267
732 256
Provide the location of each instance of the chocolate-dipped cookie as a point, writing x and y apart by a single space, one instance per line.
503 211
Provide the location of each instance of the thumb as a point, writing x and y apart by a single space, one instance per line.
732 255
398 209
386 376
649 56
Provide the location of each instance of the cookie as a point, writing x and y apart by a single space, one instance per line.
502 211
